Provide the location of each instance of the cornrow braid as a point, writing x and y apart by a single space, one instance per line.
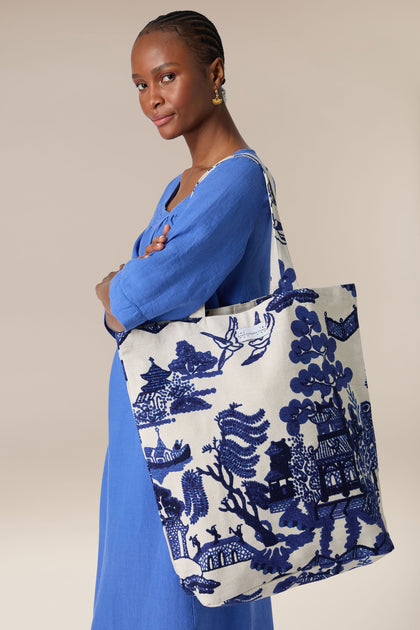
195 29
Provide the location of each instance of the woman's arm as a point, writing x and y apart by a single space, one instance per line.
102 289
102 292
207 241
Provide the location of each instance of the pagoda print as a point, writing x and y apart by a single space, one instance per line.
150 406
280 477
334 456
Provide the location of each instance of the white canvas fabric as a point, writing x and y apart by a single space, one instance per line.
256 426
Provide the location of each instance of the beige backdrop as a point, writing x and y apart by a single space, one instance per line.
327 91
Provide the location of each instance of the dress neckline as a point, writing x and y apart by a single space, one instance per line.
177 182
172 195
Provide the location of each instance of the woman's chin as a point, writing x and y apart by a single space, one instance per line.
168 134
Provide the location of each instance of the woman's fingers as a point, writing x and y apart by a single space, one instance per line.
153 247
162 237
158 240
158 243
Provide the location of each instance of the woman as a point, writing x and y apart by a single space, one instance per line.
207 242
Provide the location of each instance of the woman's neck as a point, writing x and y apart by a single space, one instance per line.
217 138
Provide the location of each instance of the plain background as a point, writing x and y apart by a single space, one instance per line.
327 92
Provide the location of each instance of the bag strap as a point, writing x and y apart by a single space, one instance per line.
279 250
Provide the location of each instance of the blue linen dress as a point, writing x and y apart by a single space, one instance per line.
217 252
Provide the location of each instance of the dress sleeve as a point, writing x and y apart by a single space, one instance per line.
206 242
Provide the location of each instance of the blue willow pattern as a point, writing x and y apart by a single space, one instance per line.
286 483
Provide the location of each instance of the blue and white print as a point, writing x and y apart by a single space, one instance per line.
256 426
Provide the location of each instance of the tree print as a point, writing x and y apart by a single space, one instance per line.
196 503
169 506
329 377
233 460
190 363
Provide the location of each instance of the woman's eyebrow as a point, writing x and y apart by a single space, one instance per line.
158 68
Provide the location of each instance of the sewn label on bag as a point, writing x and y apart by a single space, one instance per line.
252 332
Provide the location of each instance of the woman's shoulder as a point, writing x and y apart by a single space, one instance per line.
243 169
242 161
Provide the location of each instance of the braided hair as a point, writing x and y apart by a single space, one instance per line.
195 29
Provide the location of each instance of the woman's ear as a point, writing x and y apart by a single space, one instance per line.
217 72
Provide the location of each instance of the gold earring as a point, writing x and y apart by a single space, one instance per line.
216 100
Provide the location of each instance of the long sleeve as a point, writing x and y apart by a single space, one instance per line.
206 242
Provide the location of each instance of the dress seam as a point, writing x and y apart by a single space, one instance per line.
194 619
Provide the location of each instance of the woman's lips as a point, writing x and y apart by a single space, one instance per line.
161 120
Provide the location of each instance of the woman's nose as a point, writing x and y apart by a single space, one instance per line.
155 97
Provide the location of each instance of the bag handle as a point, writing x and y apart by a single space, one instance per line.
279 248
279 251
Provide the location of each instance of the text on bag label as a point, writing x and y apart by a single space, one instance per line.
251 332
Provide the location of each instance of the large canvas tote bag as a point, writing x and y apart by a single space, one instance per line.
256 426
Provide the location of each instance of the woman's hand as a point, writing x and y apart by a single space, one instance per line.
158 243
102 289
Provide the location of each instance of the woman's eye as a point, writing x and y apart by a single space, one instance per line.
140 86
169 76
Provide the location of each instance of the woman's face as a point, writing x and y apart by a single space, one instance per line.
174 91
